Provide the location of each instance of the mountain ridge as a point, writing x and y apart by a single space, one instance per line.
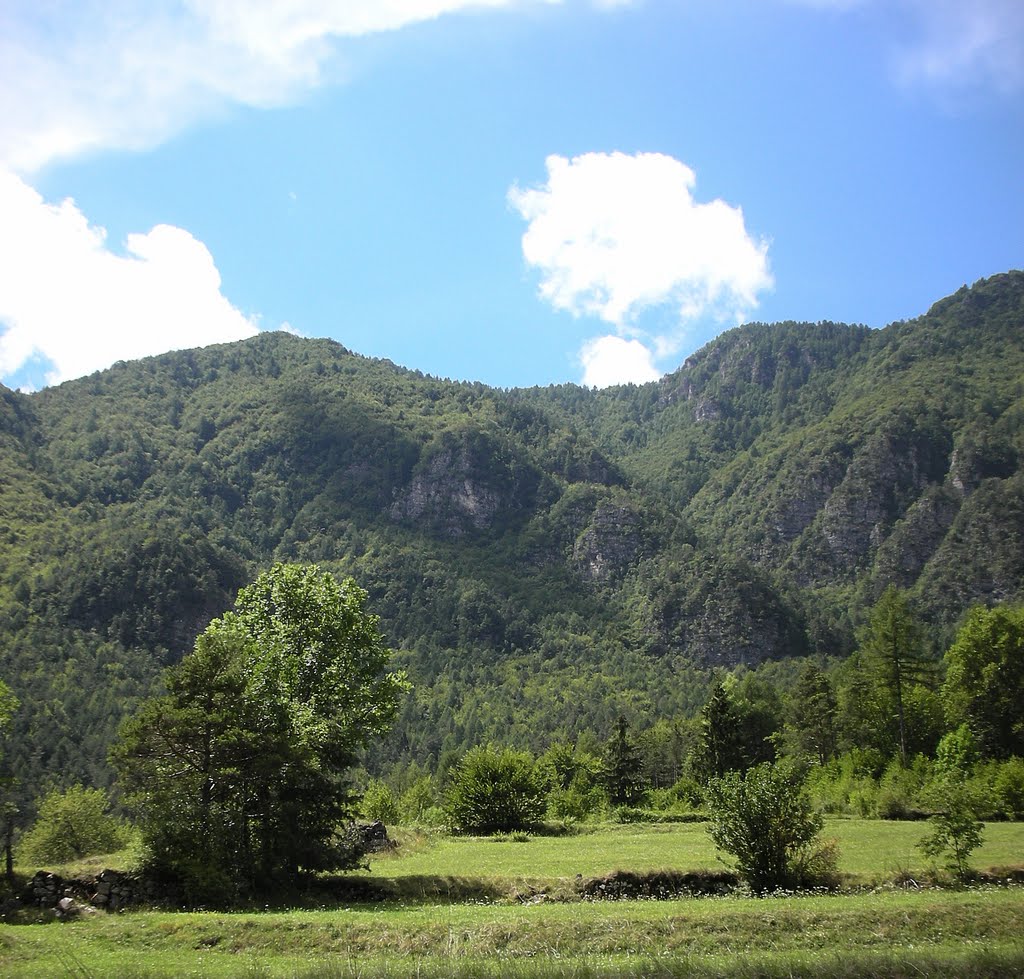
520 545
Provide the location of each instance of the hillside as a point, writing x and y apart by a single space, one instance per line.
541 559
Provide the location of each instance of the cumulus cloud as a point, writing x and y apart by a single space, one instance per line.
612 360
616 235
82 75
67 298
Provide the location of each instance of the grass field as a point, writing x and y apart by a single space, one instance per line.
706 936
883 930
869 849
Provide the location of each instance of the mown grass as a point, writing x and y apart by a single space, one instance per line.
471 907
720 936
869 850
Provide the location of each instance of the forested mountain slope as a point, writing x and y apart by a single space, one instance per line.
542 559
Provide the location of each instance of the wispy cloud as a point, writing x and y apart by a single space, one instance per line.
83 75
616 235
949 45
69 300
965 45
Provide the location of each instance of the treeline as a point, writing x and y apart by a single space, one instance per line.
876 734
240 774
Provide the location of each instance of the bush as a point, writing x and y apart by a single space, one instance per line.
576 803
418 805
900 788
997 788
766 822
956 830
847 784
1008 788
495 791
71 825
379 803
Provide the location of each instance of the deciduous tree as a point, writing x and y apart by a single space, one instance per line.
984 685
238 773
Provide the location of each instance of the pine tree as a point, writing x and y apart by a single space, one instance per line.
623 777
893 647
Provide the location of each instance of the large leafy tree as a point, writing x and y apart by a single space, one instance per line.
984 685
238 772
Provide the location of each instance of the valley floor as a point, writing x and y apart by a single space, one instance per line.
875 928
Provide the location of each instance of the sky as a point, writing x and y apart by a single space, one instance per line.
518 192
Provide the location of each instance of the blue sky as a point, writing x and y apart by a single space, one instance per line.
514 191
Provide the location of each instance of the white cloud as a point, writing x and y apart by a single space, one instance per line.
67 297
82 75
612 360
615 236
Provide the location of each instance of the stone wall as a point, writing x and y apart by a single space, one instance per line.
111 890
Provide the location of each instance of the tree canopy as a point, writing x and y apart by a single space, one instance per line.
238 772
984 685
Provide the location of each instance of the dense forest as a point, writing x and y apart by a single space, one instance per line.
545 561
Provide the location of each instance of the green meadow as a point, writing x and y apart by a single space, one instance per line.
468 907
869 850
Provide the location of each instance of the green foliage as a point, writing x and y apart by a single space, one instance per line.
956 831
848 783
573 780
720 748
238 772
418 804
494 790
984 686
957 753
765 821
998 789
736 726
900 789
70 825
892 648
622 775
8 705
812 716
379 803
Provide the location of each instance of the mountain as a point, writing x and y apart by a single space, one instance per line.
543 559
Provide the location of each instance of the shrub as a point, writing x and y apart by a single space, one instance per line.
1008 788
576 803
900 787
766 822
71 825
379 803
418 804
495 791
956 829
847 784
